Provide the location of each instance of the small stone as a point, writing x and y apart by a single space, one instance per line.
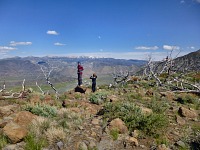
180 120
133 141
92 145
162 147
60 145
135 133
180 143
83 146
95 121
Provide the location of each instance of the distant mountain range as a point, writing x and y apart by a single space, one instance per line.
16 69
64 68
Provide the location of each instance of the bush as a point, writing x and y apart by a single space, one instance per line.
134 118
158 106
98 98
68 119
55 135
3 141
41 110
114 134
34 144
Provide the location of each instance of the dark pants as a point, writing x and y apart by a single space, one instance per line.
79 79
93 87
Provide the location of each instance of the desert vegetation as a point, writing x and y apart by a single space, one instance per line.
158 109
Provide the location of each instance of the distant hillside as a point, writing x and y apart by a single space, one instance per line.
64 67
189 62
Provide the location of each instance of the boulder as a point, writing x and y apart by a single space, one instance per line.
168 95
16 129
189 113
80 89
8 110
180 120
24 118
14 132
119 125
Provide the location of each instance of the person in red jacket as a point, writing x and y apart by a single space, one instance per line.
80 73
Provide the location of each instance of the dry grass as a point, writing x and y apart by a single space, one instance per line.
55 135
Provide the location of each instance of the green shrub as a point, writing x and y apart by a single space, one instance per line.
98 97
41 110
153 124
33 144
114 134
158 106
134 118
3 141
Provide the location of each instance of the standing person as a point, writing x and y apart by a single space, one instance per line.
80 73
93 77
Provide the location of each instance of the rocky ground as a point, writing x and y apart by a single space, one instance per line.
89 129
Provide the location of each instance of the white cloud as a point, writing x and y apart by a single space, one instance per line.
192 47
6 48
59 44
182 1
198 1
51 32
146 48
170 47
13 43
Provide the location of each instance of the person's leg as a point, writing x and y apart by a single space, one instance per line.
93 87
79 82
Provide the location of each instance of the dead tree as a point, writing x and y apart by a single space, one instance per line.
172 79
120 78
47 69
4 87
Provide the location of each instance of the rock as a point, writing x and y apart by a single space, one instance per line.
133 141
146 111
35 98
83 146
80 89
146 98
24 118
92 145
60 145
7 110
168 95
95 121
18 146
4 121
135 133
184 112
113 98
162 147
149 93
10 147
14 132
180 144
119 125
180 120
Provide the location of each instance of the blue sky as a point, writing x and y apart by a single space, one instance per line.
130 29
